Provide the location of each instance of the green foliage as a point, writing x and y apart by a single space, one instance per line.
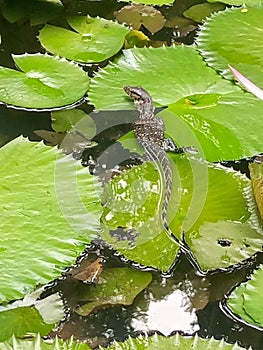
176 342
153 69
246 300
243 49
239 2
117 286
151 2
218 122
42 82
39 11
200 11
33 228
21 320
198 208
39 344
93 39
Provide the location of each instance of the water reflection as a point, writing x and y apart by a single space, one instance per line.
172 311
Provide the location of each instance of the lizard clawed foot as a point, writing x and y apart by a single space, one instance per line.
170 146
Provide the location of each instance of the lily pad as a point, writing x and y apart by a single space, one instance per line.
137 15
38 343
200 11
93 39
33 228
39 11
116 286
215 124
256 174
151 2
176 342
198 207
42 82
21 320
245 300
239 2
162 72
238 49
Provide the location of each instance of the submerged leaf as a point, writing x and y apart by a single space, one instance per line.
93 39
136 15
116 286
50 210
38 10
43 82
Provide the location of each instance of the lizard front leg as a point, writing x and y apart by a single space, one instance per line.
170 146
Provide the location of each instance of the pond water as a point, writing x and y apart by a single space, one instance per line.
179 301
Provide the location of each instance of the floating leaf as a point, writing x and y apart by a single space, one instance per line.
245 300
116 286
198 207
239 2
22 320
200 11
68 119
176 342
38 343
151 2
38 10
215 124
151 69
136 15
93 39
34 228
238 49
43 82
256 175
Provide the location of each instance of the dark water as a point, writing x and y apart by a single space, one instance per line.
183 301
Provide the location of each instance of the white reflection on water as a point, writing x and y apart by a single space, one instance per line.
175 312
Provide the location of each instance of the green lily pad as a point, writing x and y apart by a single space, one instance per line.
21 320
238 49
256 175
116 286
38 343
198 207
176 342
162 72
215 124
74 119
93 39
239 2
42 82
39 11
246 300
35 180
31 315
200 11
151 2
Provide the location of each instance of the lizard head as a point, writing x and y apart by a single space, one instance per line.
138 94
